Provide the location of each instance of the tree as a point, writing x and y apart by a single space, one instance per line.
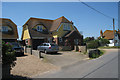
93 44
103 42
88 39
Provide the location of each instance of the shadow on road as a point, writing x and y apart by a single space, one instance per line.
21 55
54 53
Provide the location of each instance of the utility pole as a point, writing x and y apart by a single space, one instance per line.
114 31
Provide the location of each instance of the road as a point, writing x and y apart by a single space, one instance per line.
105 66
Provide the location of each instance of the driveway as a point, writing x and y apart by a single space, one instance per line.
64 58
29 65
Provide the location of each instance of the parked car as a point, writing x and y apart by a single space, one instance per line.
18 49
48 48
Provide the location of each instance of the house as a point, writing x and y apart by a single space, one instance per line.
8 30
60 31
109 34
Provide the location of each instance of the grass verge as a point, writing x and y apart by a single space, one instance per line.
107 47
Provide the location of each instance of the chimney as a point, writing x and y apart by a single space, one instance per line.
71 22
101 33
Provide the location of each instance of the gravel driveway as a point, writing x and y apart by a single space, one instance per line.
29 65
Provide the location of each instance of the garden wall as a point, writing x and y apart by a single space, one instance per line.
28 50
82 49
36 53
64 48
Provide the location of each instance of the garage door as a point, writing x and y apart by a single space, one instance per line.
37 42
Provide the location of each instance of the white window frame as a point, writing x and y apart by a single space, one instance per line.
5 29
40 28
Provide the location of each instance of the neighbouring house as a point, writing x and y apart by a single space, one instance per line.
8 30
60 31
109 34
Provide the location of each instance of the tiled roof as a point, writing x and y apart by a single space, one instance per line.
10 23
51 25
73 32
56 23
109 34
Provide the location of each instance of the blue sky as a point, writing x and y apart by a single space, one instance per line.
85 19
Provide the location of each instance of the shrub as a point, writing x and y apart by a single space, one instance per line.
8 55
93 44
95 53
103 42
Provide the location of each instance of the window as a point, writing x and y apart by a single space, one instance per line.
26 41
5 29
76 41
60 39
66 26
39 28
115 35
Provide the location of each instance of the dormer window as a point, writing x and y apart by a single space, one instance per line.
5 29
39 28
66 26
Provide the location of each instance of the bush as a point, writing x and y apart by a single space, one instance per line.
8 55
103 42
95 53
93 44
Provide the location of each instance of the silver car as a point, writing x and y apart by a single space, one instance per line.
48 48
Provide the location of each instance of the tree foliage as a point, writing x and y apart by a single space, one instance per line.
88 39
103 42
8 55
93 44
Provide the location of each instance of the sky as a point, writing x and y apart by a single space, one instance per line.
87 21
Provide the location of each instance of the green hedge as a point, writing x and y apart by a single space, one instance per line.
93 44
8 55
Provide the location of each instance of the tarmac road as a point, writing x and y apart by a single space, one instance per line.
105 66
